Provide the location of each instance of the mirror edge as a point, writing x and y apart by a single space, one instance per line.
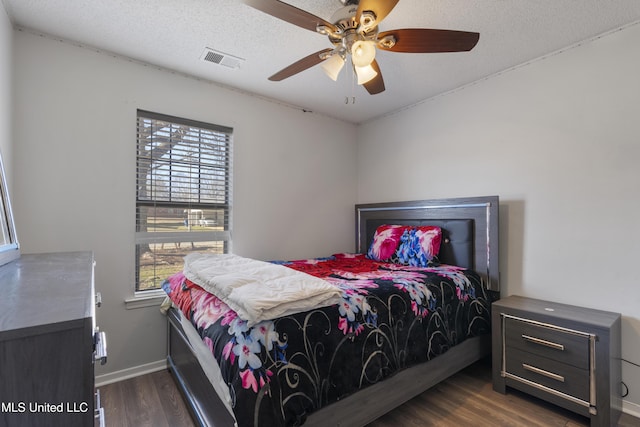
11 250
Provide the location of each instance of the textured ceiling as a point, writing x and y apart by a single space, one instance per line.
174 33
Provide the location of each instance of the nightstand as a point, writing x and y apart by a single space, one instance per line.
566 355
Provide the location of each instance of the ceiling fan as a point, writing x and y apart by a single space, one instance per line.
354 33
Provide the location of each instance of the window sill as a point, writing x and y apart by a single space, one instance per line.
145 299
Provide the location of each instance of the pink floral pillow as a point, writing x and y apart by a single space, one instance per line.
385 242
403 244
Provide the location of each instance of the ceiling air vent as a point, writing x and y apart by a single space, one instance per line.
221 58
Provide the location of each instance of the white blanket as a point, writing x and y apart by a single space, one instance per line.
258 290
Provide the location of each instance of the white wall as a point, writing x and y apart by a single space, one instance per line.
6 61
559 141
74 171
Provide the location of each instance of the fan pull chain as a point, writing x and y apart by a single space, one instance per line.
353 88
354 85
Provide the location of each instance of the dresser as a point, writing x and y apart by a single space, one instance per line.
566 355
49 341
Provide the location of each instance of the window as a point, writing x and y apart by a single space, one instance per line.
183 194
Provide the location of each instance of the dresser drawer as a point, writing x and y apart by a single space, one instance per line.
550 373
553 343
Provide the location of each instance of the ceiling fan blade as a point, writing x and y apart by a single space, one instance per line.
290 14
380 7
375 85
298 66
422 40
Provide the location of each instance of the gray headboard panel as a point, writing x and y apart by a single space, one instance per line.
470 228
457 238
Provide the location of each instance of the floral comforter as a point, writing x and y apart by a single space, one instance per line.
391 317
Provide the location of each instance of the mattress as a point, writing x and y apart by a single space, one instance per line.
390 317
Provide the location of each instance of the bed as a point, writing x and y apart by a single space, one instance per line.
396 335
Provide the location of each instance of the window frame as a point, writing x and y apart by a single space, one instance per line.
144 297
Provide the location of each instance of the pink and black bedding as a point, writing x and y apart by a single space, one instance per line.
392 315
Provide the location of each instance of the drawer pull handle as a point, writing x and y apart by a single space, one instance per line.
99 411
543 342
543 372
100 347
99 417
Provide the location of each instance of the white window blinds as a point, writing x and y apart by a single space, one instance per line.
183 193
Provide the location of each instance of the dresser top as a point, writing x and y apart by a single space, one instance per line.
45 289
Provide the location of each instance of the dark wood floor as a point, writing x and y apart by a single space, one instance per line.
464 399
147 400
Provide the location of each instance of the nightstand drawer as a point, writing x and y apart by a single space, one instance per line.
550 373
553 343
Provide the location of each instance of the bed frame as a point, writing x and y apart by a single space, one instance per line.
470 231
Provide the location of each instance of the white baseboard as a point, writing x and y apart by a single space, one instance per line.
631 408
135 371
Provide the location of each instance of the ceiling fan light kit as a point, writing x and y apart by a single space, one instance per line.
365 74
333 65
354 33
363 52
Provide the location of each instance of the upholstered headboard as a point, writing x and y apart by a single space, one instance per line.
470 229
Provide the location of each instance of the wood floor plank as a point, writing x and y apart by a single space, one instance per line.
467 398
171 400
112 399
492 406
143 406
